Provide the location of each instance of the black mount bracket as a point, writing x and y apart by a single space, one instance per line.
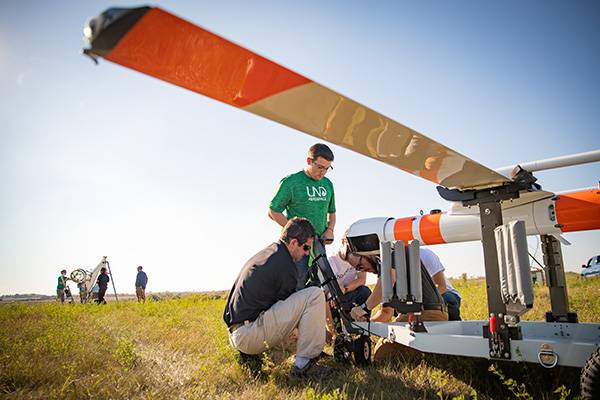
490 213
416 323
557 284
523 180
403 307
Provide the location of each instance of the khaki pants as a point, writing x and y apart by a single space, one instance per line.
386 349
140 293
304 310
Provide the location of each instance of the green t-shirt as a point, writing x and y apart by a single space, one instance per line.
301 196
61 283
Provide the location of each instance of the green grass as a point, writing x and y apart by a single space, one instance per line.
584 298
178 348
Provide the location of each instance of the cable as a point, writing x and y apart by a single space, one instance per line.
536 261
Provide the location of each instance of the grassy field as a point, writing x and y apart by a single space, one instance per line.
178 348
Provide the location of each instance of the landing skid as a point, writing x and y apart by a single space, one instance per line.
548 344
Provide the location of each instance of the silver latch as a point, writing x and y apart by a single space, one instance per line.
547 357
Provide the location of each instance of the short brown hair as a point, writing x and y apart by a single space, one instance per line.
320 150
297 228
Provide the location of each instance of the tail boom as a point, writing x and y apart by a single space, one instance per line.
569 212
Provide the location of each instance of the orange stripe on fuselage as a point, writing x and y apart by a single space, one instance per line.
429 227
169 48
403 229
578 211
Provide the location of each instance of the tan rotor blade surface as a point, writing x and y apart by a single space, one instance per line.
330 116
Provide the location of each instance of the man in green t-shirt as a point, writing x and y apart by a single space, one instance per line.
308 194
60 286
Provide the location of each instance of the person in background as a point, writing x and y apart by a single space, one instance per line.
102 282
308 194
451 296
141 280
60 287
82 292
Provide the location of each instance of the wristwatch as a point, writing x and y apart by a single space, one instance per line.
365 308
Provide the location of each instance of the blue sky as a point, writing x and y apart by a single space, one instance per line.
101 160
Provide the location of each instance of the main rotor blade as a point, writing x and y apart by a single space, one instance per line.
156 43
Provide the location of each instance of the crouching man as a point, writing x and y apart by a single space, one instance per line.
263 307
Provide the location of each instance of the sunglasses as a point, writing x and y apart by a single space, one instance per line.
321 167
363 263
305 247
